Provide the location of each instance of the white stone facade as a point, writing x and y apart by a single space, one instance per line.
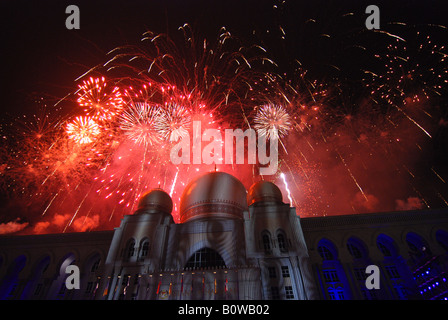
238 251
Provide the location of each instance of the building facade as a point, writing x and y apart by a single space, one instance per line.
410 248
233 244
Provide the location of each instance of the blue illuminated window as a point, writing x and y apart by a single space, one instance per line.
392 272
360 273
330 275
336 293
354 251
325 253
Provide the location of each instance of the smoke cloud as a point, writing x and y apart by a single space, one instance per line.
412 203
12 226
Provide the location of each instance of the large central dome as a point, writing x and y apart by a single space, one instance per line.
215 194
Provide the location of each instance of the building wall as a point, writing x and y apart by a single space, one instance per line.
33 267
340 276
275 242
410 248
161 274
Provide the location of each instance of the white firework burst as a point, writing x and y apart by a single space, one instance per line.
175 122
269 117
140 123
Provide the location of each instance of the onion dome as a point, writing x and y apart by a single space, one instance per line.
155 201
264 191
215 194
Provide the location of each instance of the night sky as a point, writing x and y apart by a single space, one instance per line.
41 60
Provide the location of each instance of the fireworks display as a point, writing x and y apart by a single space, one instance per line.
175 122
271 117
100 101
82 130
354 139
139 123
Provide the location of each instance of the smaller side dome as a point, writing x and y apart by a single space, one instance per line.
155 201
264 191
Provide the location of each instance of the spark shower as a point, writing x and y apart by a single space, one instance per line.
353 114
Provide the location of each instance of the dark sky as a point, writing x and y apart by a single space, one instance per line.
41 58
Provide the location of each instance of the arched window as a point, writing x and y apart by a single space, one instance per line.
205 258
354 251
62 293
356 248
331 272
36 282
386 245
281 239
95 265
325 253
327 250
384 249
144 249
417 245
130 249
90 280
9 284
267 243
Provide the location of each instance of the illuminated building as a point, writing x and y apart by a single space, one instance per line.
404 245
233 244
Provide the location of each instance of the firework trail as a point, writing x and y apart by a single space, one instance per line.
353 118
205 77
343 132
